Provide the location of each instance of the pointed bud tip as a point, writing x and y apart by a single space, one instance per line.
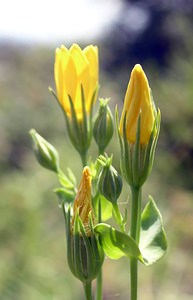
139 75
32 131
87 173
137 70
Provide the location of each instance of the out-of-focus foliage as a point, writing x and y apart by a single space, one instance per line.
32 243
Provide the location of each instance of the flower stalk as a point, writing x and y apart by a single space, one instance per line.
138 132
88 290
135 234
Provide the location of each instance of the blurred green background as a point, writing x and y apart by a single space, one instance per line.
32 237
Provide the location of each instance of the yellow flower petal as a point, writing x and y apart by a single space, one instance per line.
91 53
79 58
75 68
58 73
138 102
70 83
83 202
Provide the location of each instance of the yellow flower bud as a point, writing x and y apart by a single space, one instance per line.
75 68
138 102
83 201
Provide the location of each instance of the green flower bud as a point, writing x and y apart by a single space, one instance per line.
85 255
137 159
45 153
103 125
84 252
110 182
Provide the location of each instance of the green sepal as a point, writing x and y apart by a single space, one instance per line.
67 181
137 159
117 244
79 131
84 252
149 151
71 176
153 243
126 153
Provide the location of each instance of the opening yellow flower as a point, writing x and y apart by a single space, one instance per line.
75 68
83 201
138 102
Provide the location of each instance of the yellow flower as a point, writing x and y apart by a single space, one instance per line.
83 201
73 68
138 102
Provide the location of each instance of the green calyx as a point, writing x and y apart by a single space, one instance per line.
137 159
79 130
84 252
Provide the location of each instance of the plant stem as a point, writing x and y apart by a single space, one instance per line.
99 286
135 234
83 156
99 290
135 213
88 290
118 217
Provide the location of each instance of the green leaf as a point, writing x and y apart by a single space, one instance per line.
153 242
106 208
117 244
65 181
71 176
65 195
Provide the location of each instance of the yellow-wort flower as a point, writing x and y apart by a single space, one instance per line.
138 102
75 68
83 201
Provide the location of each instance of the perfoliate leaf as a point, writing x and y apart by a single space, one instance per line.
153 242
106 208
117 244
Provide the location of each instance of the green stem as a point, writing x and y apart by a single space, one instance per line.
135 213
99 287
83 156
88 290
99 290
118 217
100 151
135 234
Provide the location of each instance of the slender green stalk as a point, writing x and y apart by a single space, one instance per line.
88 290
135 213
118 217
83 156
99 283
135 234
99 290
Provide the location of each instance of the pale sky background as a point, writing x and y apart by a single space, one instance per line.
48 21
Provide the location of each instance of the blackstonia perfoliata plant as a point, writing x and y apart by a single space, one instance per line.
87 209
